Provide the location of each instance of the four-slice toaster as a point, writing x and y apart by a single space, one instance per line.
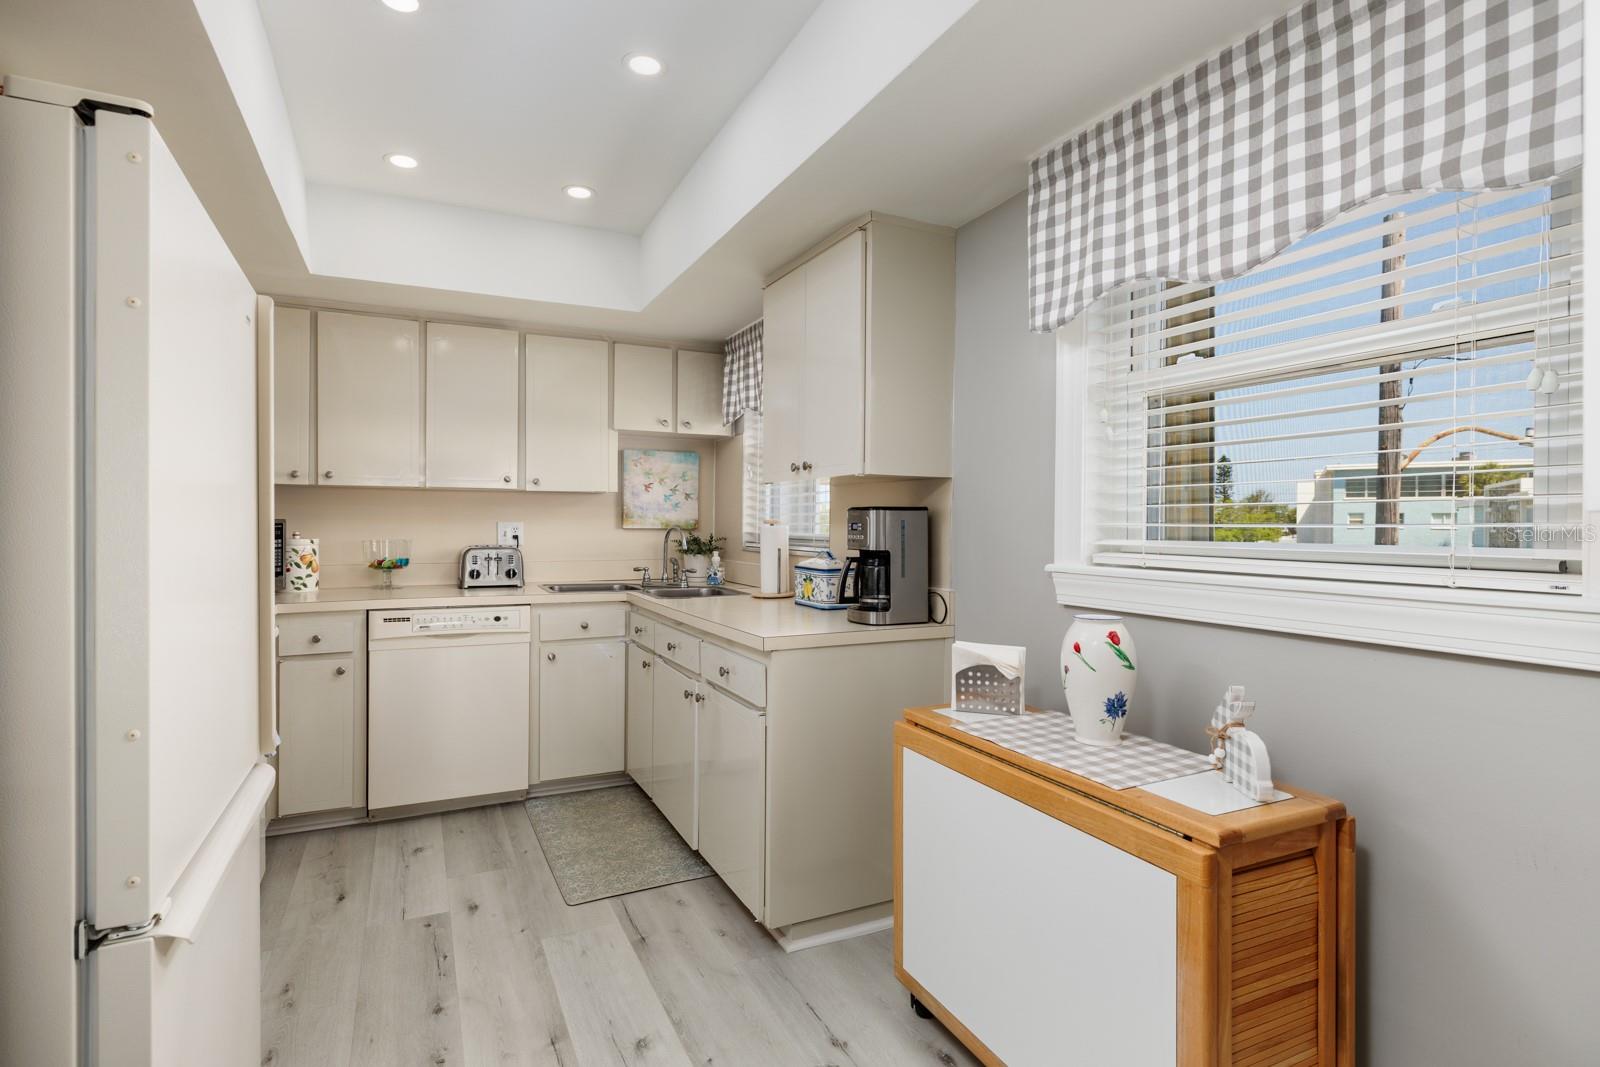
490 565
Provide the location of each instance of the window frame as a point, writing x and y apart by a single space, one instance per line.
1345 601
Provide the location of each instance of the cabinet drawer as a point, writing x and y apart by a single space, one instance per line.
581 620
679 647
740 675
642 630
301 635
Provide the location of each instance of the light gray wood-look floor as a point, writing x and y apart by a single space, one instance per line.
443 940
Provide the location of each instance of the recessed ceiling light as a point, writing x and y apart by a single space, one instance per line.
405 7
404 162
649 66
579 192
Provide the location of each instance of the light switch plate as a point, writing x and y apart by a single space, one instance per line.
508 533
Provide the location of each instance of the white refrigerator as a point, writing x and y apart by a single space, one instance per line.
132 780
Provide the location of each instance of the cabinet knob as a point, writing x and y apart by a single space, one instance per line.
638 629
583 626
806 465
699 698
722 672
671 647
664 422
327 474
794 468
506 478
688 694
533 481
294 473
339 670
687 424
551 656
316 639
645 664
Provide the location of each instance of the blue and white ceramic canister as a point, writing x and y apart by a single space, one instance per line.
819 582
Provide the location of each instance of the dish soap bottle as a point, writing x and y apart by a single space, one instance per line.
714 572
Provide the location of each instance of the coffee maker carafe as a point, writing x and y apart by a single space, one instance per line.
891 547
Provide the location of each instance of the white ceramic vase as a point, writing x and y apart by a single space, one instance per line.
1099 669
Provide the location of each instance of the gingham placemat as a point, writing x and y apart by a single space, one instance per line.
1047 737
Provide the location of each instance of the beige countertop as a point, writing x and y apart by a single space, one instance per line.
765 625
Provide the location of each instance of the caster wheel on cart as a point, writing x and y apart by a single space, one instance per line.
916 1006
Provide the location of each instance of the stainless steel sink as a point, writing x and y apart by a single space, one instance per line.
678 592
592 587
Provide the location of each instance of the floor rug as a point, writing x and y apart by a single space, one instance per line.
605 842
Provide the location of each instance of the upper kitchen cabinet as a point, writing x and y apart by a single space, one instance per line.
642 398
369 400
291 396
472 406
571 447
700 394
858 356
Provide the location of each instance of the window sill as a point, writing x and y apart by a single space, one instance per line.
1521 628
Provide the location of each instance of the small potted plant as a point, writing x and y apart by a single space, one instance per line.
697 552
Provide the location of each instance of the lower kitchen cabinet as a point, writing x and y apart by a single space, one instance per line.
731 767
581 708
675 696
316 718
641 718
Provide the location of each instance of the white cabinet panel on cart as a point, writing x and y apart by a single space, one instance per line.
472 407
581 709
570 447
731 762
700 393
369 400
980 869
674 696
641 718
316 719
291 397
642 391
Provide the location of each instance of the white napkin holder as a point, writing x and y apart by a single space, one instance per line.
988 679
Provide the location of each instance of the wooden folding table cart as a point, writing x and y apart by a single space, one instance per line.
1048 919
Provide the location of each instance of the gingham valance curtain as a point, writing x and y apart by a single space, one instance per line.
1332 105
741 373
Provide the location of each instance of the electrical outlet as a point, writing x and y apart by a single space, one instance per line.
508 533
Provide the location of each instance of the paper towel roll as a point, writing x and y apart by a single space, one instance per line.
774 557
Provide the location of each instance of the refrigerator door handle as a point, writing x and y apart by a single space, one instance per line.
198 883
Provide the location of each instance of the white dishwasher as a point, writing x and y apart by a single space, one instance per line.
447 704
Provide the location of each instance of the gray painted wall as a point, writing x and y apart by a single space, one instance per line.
1479 862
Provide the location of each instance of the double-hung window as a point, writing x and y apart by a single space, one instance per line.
1390 407
801 504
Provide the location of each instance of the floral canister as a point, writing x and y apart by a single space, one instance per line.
1098 671
300 568
819 582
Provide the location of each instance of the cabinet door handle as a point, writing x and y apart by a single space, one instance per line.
688 694
671 647
645 664
794 468
294 473
533 481
583 626
327 474
316 639
722 672
551 656
699 698
806 465
506 478
638 629
339 670
665 422
687 424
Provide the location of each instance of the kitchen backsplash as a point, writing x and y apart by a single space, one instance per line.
565 535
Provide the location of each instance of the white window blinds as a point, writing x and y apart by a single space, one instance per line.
801 504
1397 397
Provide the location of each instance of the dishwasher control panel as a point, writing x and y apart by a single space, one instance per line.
423 622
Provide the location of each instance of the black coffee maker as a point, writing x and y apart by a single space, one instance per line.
891 564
